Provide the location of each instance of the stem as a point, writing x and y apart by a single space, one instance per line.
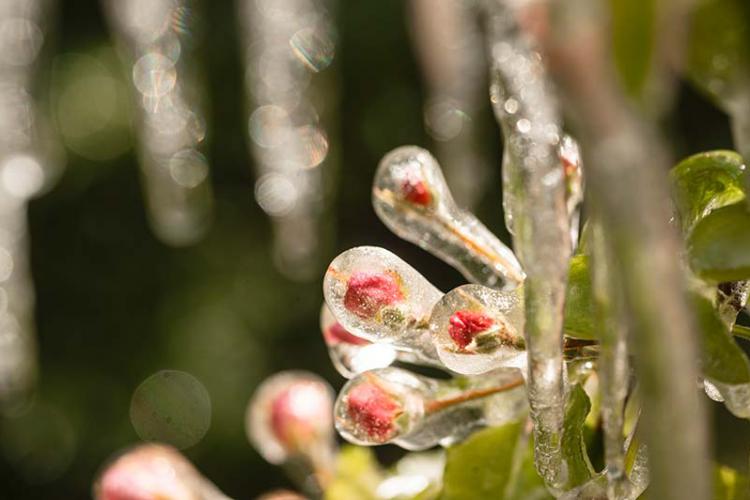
613 361
441 404
625 165
510 269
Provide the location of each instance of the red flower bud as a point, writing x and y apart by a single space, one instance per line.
297 412
337 334
367 293
465 325
373 410
416 191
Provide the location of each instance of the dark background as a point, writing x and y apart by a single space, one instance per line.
114 305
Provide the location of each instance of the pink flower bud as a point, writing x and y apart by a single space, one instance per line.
374 410
296 412
152 472
368 292
416 191
465 325
337 334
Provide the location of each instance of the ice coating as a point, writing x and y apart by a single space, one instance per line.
736 397
570 165
524 103
476 329
411 197
350 354
377 296
154 471
290 415
392 405
378 406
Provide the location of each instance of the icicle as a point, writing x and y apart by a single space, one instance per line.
536 193
377 296
288 46
449 48
155 39
391 405
27 166
289 421
154 471
411 197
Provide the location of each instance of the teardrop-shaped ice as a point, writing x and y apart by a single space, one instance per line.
350 354
154 471
412 198
290 416
476 329
391 405
379 297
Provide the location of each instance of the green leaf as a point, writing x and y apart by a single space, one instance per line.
718 59
705 182
480 467
633 30
357 475
722 359
719 245
730 484
573 446
579 302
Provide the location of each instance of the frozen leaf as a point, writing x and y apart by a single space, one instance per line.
579 302
411 197
705 182
719 246
377 296
633 39
575 456
719 47
357 475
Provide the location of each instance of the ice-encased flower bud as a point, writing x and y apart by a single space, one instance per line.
377 296
476 329
152 472
412 198
290 415
350 354
392 405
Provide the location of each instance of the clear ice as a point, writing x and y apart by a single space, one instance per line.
411 197
392 405
377 296
535 187
352 355
476 329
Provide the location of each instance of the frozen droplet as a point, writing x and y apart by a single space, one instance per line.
350 354
392 405
712 392
154 471
476 329
411 197
379 297
290 415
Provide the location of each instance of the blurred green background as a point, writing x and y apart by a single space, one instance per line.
114 305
